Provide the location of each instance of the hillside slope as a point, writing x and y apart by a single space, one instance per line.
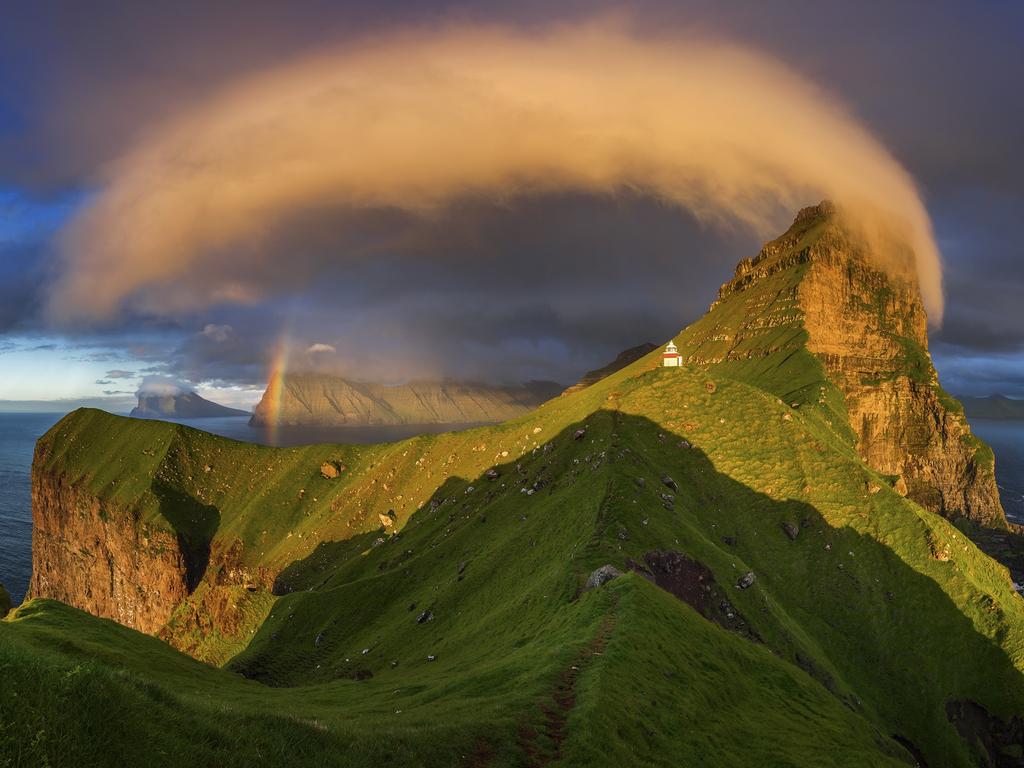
423 602
303 399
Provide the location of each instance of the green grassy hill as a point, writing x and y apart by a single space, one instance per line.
872 631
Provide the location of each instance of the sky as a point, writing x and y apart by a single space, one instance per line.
476 191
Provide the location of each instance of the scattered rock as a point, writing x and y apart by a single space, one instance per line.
873 488
319 639
684 444
791 530
424 617
387 519
470 489
491 474
710 387
601 576
668 497
746 580
730 540
640 482
670 483
579 434
431 657
624 535
462 567
901 486
331 469
787 416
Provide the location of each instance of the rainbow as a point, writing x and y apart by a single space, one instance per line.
275 388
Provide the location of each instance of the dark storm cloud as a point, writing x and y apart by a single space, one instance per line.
546 287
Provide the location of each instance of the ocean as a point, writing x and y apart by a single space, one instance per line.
19 432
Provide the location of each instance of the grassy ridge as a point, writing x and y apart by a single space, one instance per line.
854 614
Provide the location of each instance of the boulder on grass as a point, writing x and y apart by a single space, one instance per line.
601 576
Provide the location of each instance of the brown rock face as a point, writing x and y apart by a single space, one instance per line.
100 560
821 289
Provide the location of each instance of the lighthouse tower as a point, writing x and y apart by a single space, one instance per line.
671 358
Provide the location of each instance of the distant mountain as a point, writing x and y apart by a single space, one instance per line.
321 400
180 405
624 358
993 407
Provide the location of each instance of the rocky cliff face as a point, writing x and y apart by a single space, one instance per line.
820 287
96 558
319 400
105 552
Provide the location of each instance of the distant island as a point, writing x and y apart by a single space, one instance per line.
993 407
169 400
319 400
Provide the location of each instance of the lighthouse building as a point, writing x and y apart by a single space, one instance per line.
671 358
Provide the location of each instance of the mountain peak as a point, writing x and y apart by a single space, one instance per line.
823 318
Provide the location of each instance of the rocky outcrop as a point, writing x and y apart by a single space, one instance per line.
823 289
98 557
92 556
624 358
320 400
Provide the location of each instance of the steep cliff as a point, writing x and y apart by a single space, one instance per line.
94 556
321 400
821 291
123 529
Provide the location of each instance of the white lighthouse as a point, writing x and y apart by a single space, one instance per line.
671 358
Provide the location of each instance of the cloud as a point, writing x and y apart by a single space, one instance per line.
119 374
163 386
219 333
419 121
319 348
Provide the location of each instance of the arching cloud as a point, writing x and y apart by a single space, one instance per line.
418 121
